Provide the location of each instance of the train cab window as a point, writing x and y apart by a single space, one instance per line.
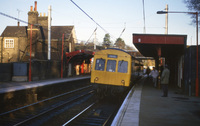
122 66
100 64
111 65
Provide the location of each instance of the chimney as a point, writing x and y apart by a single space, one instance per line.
33 20
35 9
31 8
33 16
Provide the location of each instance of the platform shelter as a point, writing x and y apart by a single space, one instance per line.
78 62
165 49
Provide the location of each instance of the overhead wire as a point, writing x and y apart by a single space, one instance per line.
74 4
91 35
123 30
19 20
91 18
13 18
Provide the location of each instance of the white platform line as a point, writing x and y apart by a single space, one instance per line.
128 114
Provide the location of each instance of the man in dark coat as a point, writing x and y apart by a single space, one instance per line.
165 81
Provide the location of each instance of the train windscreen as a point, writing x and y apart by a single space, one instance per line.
111 65
122 66
100 64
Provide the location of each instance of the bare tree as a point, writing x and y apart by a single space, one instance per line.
193 5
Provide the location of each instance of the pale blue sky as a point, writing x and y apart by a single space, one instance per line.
112 15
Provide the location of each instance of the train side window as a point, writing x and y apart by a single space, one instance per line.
111 65
122 66
100 64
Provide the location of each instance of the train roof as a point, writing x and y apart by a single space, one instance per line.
123 51
118 50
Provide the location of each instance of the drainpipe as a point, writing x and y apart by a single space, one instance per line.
31 32
18 58
61 74
2 49
70 47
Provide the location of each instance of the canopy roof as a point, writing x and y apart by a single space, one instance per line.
155 45
77 57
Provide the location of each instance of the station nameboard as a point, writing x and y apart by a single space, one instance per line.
159 39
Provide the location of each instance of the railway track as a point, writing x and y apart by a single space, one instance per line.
100 113
77 107
30 114
94 114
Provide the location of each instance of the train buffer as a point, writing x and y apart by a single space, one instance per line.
145 107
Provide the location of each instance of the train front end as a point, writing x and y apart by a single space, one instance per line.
111 70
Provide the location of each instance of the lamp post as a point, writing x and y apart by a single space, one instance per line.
196 13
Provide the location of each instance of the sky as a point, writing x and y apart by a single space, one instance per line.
112 15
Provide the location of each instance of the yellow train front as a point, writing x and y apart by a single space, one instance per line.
111 71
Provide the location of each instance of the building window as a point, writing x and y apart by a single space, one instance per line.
9 43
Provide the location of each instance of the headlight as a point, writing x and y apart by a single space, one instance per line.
123 82
96 79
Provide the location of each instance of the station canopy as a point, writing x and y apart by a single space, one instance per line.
159 45
77 57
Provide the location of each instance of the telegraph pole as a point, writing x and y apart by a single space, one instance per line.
49 33
95 40
166 20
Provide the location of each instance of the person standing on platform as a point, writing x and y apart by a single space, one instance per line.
154 73
148 71
165 80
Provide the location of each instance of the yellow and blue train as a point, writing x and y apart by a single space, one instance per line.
114 70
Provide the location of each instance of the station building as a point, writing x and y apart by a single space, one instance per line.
15 48
15 40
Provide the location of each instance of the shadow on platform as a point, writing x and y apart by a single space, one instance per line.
174 110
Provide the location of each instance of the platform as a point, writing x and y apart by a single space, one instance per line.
145 107
16 86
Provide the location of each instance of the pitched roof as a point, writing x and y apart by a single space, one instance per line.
15 31
21 31
56 32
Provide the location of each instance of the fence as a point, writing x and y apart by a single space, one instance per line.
39 70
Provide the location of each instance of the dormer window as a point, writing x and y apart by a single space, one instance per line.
9 43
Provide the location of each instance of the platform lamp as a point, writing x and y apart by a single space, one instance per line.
196 13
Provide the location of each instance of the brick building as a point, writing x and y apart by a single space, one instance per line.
15 40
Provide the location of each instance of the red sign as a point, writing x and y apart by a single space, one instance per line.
158 39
